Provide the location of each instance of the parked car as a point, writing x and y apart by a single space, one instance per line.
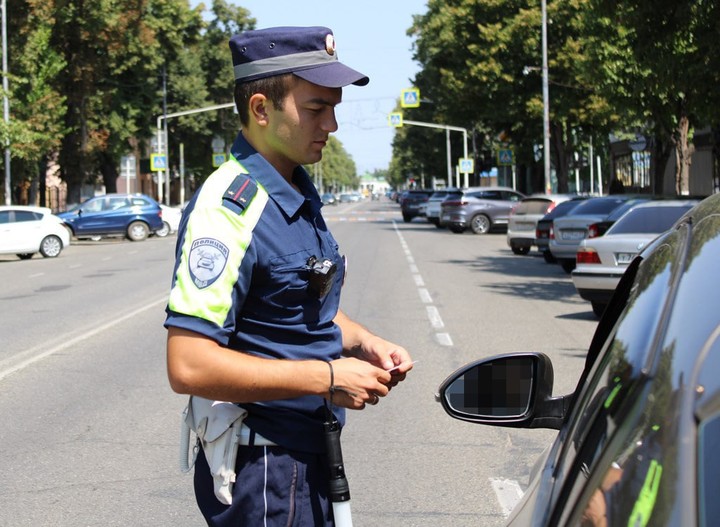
479 209
544 225
637 439
171 220
410 202
601 261
570 230
132 215
328 198
26 230
350 197
433 209
524 217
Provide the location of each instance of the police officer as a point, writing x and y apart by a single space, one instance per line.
253 315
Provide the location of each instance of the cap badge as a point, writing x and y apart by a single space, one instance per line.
330 44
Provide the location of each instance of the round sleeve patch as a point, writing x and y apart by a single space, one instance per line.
206 261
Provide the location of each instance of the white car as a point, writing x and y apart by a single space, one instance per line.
602 261
171 220
26 230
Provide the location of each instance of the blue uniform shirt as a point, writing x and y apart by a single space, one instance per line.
241 278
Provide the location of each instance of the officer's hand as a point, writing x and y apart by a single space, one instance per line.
357 383
386 355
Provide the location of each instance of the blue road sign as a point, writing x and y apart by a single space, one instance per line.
410 98
158 162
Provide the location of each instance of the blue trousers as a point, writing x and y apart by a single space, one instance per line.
274 487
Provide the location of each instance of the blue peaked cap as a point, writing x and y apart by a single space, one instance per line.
307 52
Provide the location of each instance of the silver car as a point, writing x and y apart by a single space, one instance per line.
568 231
479 209
524 217
602 261
432 207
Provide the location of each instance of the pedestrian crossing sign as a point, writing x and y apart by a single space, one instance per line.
218 159
410 98
158 162
396 119
505 157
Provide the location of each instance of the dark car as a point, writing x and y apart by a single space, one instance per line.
135 216
410 201
479 209
638 438
571 229
544 225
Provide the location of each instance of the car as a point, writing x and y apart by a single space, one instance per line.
480 209
433 209
523 220
350 197
171 220
601 261
544 225
410 202
328 198
135 216
637 439
26 230
567 232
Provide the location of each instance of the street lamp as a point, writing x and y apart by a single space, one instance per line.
546 99
6 103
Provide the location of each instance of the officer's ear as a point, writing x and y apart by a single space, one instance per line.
258 104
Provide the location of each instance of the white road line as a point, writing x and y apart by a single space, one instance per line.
444 339
433 313
508 493
35 275
434 316
35 357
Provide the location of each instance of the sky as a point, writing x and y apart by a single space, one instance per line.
371 37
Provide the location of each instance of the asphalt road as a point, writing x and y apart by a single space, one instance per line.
91 427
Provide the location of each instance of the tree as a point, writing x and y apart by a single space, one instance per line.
37 110
653 61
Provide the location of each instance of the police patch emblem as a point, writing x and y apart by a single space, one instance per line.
206 261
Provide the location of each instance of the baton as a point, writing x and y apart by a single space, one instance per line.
339 489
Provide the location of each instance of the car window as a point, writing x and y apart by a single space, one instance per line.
488 194
604 432
709 468
115 203
510 196
138 201
4 216
598 206
532 206
648 220
93 205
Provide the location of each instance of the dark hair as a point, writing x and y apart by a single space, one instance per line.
275 88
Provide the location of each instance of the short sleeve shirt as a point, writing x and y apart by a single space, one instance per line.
242 279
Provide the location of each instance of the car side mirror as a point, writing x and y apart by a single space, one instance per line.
513 390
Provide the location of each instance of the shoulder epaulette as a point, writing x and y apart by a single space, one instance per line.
240 193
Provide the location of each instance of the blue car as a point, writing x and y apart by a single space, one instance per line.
135 216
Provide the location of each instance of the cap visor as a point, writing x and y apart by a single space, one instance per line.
333 75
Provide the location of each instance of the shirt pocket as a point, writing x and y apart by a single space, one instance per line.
289 276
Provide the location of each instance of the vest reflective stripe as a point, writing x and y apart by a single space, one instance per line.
217 226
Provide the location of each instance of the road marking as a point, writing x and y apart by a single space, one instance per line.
434 316
508 493
433 313
35 275
33 355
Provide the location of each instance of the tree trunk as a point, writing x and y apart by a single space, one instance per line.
109 173
683 156
560 149
662 149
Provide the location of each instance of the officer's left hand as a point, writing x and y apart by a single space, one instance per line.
386 355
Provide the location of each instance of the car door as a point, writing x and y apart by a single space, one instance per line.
20 230
612 450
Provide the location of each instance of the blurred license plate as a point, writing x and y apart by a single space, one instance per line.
525 226
572 235
624 258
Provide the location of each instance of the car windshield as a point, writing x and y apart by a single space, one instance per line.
533 206
648 220
598 206
563 208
